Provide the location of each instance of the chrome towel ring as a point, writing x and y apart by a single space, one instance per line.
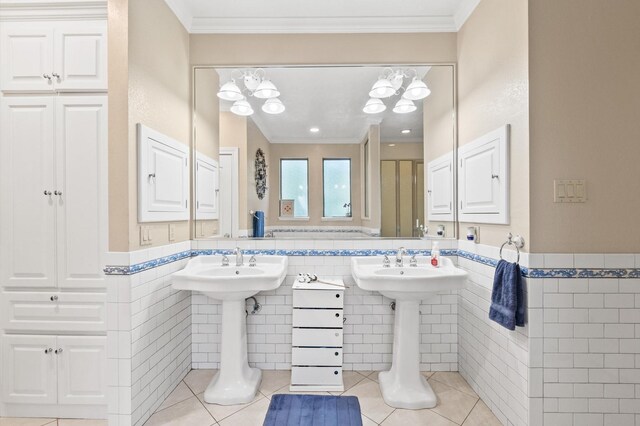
517 242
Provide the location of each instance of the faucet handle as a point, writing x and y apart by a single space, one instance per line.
386 263
252 260
413 261
225 260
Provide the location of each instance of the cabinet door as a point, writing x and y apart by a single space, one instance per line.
480 170
27 221
80 59
29 373
81 149
440 183
207 188
27 55
82 370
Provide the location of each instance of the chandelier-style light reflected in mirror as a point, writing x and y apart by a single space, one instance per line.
242 107
416 90
404 106
374 106
273 106
382 89
230 91
266 90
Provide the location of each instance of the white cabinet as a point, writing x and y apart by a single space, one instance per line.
64 370
207 187
483 178
54 191
440 189
316 360
163 177
53 56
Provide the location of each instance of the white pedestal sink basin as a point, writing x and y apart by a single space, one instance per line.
235 382
403 386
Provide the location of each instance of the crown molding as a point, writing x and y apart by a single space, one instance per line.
36 10
319 141
465 10
316 25
182 12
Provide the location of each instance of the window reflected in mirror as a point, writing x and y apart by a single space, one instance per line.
294 188
336 187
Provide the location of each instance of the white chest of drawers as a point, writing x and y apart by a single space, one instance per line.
316 362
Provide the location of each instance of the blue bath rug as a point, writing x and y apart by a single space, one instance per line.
313 410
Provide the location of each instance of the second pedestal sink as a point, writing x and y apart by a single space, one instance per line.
235 382
403 386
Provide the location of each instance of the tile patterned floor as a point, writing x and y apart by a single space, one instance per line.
458 404
22 421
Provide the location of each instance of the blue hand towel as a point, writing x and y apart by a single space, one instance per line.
507 297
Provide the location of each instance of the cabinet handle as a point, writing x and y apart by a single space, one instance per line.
54 298
495 176
47 192
337 315
58 351
57 193
56 75
48 351
335 372
337 295
47 76
337 353
337 334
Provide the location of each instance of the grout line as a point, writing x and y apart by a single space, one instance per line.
368 418
169 406
215 421
469 413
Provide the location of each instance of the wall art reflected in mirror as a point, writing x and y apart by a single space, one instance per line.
324 151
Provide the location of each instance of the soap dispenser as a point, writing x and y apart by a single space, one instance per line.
435 254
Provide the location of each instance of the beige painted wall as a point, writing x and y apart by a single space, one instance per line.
206 131
439 128
401 151
373 222
493 91
255 140
315 153
294 49
585 104
233 133
158 86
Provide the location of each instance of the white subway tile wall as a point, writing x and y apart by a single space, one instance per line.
591 347
149 338
368 329
493 360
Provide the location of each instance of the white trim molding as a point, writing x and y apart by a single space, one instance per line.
39 10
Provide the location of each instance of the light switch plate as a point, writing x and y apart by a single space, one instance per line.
172 232
569 191
145 235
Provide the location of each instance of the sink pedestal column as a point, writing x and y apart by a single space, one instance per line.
403 386
235 382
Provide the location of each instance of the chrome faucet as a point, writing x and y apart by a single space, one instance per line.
225 260
401 252
386 262
252 260
239 256
413 261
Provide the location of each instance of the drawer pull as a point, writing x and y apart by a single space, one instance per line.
335 372
48 351
337 315
337 334
337 353
337 295
58 351
54 298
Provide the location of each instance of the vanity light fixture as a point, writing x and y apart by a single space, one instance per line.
273 106
230 91
314 130
242 107
404 106
382 89
266 90
406 131
416 90
374 106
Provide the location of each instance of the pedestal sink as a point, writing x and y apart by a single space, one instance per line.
235 382
403 386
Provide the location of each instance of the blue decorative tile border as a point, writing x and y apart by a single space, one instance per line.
526 272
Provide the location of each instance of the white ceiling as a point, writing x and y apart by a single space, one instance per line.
330 98
326 16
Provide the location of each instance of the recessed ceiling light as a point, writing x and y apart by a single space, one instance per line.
392 144
406 131
314 130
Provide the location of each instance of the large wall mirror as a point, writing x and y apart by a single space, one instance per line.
324 151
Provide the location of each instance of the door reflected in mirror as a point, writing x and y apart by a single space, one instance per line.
349 151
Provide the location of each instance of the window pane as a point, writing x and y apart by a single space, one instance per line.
337 188
294 185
